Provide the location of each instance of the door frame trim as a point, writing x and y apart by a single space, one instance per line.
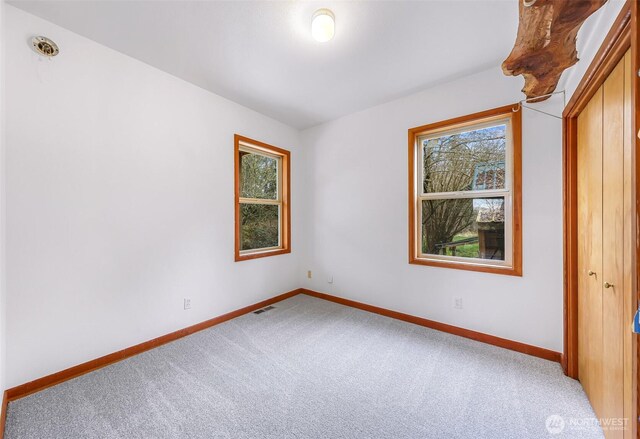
613 48
622 36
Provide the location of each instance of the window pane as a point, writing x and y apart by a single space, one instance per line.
467 227
258 176
259 225
473 160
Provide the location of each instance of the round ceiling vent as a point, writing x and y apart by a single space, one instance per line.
44 46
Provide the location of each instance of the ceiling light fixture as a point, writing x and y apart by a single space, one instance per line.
323 25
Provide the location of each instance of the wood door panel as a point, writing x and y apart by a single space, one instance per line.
605 194
590 249
613 249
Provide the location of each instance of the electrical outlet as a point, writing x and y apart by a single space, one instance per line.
457 303
187 303
330 279
309 275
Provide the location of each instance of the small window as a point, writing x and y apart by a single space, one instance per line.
465 193
262 199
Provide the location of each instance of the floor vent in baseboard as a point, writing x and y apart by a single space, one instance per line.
260 311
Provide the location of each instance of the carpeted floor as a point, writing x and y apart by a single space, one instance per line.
312 369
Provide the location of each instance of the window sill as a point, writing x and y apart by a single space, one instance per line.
483 268
261 254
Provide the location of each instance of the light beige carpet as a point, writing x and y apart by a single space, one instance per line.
313 369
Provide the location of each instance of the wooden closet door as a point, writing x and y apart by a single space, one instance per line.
605 252
612 277
590 250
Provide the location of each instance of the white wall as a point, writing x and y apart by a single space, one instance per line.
120 203
590 39
358 220
2 207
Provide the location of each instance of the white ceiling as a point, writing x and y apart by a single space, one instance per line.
261 54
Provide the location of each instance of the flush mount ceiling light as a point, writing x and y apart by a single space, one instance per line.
323 25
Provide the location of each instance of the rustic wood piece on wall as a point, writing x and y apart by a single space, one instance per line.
546 42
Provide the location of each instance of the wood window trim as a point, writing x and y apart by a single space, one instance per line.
285 216
516 125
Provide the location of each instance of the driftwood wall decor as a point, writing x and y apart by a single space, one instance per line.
546 42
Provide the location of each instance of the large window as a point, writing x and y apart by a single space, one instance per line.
465 185
262 199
